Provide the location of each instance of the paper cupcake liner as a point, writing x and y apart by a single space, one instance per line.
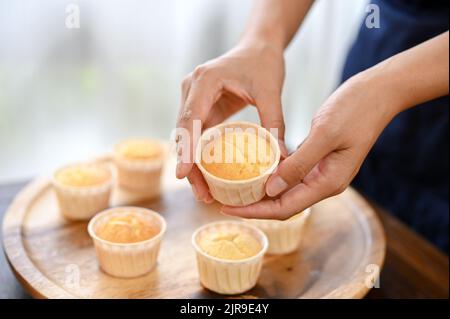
238 192
127 260
142 179
81 203
284 236
229 276
142 176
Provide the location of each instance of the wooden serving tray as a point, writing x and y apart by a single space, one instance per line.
343 245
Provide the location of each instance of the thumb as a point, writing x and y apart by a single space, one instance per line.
294 168
271 114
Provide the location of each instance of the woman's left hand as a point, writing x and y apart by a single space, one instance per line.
342 133
347 126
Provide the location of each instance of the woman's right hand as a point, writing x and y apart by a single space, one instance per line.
248 74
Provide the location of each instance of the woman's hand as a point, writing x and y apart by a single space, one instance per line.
342 133
347 126
249 74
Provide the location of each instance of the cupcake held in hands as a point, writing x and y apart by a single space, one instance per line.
236 160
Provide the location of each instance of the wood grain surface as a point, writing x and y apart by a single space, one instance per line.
413 267
54 258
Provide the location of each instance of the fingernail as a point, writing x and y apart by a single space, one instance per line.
275 186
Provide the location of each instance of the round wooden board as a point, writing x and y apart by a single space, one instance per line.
344 242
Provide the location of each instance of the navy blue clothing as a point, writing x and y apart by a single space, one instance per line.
407 171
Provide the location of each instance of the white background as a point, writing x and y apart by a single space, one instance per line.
67 94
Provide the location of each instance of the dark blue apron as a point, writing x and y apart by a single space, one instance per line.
407 171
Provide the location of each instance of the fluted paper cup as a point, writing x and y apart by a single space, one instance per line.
143 176
237 192
284 235
229 277
127 260
81 203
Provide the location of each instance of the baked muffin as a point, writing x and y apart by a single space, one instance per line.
242 155
139 165
127 240
231 245
236 159
127 229
139 150
82 190
229 256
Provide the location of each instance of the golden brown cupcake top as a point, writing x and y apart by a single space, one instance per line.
237 155
231 245
139 149
127 228
83 175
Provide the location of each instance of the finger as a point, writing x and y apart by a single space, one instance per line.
185 88
199 185
271 115
290 203
203 93
226 106
330 177
294 168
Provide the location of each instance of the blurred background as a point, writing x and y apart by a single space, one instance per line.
69 94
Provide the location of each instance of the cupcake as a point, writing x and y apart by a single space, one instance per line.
82 190
236 160
284 235
139 165
127 240
229 256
